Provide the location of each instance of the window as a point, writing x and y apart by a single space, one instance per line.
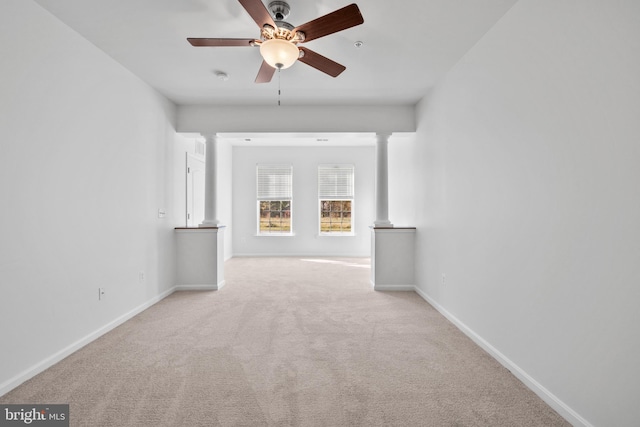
274 192
335 194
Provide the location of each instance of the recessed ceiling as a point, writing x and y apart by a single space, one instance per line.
408 46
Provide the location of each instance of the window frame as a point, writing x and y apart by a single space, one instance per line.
274 192
341 194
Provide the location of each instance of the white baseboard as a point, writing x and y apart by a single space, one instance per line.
31 372
200 287
395 287
550 399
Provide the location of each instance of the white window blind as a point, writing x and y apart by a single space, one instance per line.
335 182
274 182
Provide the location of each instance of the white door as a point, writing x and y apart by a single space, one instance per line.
195 191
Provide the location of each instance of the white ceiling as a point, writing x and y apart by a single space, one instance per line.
408 46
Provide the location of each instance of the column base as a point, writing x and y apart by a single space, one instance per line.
210 223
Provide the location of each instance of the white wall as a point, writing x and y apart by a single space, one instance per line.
305 161
528 159
306 119
402 180
87 159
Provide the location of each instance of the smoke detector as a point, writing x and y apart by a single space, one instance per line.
222 75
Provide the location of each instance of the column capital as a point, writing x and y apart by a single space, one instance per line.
213 137
383 136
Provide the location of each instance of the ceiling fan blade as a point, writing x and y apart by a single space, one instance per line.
341 19
321 63
221 42
258 12
265 74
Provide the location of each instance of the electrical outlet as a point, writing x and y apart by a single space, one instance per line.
100 294
141 276
444 282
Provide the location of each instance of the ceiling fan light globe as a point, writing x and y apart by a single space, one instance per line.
279 53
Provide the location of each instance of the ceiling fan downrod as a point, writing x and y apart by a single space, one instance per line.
279 10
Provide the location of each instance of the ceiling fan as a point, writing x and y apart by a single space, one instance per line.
279 40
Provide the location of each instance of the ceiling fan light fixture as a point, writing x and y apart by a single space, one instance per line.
279 53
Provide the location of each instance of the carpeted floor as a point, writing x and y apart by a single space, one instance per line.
287 342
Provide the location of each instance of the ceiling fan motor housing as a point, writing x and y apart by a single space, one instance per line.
279 10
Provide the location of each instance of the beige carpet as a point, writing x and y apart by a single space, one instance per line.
288 341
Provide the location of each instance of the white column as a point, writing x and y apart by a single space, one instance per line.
382 181
210 184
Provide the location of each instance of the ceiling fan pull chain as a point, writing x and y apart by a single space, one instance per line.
279 69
